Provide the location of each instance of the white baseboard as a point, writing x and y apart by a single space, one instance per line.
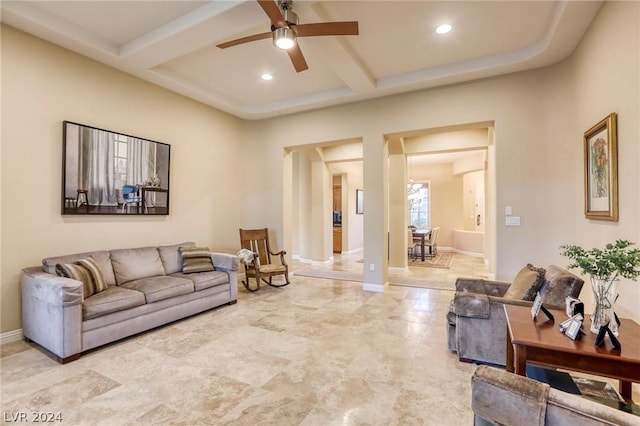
11 336
378 288
354 251
398 270
330 261
466 253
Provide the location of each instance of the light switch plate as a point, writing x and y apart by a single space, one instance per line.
512 221
508 211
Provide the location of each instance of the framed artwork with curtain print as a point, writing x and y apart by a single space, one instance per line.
601 170
111 173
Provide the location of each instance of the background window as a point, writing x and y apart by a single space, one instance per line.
419 205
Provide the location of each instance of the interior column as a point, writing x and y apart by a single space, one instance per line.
376 198
397 205
321 225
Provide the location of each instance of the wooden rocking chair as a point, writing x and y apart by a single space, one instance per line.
262 268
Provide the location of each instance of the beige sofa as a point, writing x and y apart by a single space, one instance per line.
146 288
502 398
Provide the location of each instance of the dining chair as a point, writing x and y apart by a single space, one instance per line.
130 196
432 244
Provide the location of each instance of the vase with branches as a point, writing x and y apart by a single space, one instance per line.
605 267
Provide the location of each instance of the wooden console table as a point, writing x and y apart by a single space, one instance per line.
541 342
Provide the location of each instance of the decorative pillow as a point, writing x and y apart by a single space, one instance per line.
170 256
560 283
196 259
102 258
86 271
526 284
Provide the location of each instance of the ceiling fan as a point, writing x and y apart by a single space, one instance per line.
285 30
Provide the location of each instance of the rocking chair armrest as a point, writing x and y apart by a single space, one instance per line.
281 253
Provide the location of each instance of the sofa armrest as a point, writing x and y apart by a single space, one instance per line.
51 289
526 303
471 305
225 262
52 311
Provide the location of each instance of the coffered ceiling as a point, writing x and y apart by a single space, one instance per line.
173 44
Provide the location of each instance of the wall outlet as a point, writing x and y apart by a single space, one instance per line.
372 267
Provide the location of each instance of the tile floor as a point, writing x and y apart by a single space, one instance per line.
317 352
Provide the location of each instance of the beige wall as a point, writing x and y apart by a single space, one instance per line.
606 70
539 118
42 85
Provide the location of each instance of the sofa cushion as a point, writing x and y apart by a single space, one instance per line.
560 283
526 284
171 258
133 264
160 287
205 279
101 257
196 259
87 272
113 299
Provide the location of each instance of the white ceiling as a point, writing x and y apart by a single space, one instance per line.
173 44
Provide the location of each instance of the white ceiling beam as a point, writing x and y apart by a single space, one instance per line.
210 24
177 26
340 57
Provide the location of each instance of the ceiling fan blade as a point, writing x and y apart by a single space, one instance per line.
244 40
297 58
273 12
326 29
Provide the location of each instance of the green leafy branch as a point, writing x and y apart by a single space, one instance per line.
615 260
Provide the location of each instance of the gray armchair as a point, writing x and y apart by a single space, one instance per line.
476 323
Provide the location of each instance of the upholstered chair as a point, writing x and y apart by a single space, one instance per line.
502 398
476 323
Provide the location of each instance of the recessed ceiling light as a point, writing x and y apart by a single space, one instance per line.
443 29
266 77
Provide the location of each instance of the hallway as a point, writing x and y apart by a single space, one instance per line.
427 277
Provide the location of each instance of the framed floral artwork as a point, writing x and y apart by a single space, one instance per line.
601 170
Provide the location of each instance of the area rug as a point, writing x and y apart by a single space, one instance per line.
442 260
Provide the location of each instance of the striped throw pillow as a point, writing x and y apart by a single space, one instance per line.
86 271
196 259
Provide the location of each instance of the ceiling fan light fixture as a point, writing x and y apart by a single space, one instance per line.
284 38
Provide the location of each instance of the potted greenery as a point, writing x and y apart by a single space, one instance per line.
605 267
